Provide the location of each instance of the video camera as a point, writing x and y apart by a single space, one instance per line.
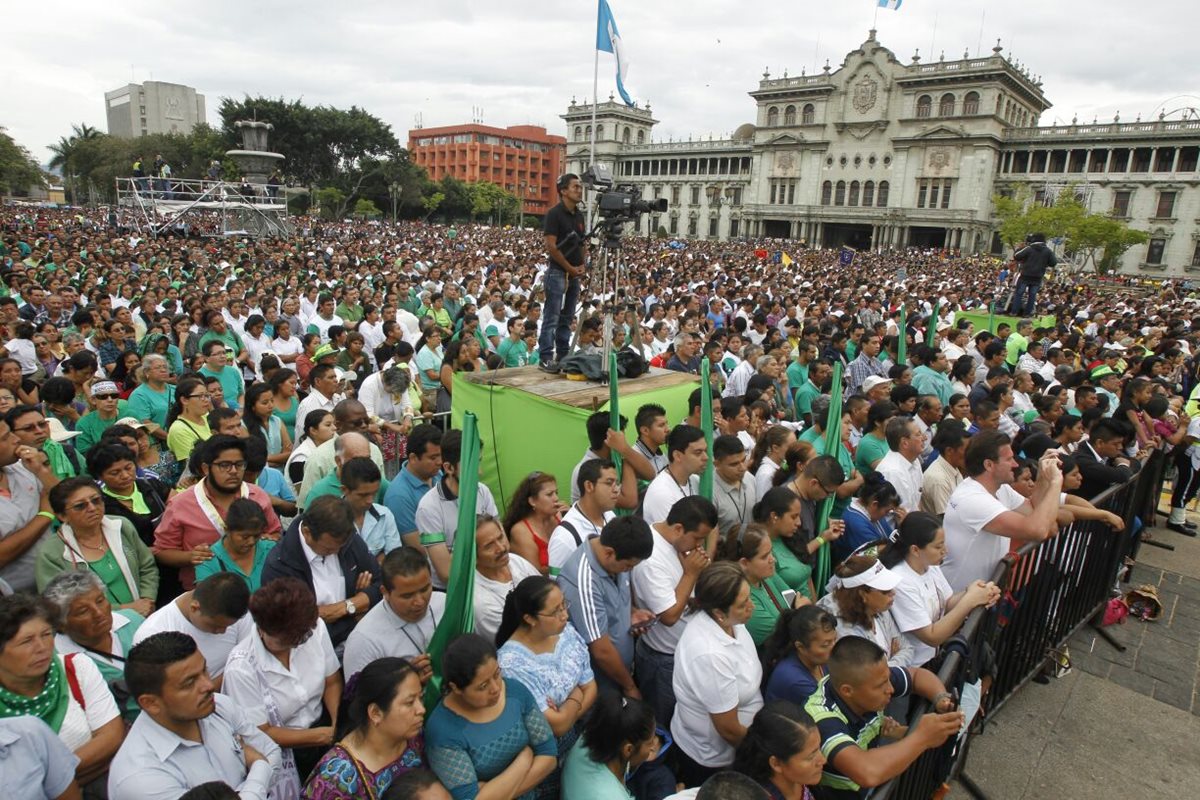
618 204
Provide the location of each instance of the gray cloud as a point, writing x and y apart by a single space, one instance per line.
522 61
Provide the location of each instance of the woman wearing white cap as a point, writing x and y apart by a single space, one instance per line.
92 425
861 594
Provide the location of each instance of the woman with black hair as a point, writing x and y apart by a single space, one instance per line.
486 738
378 734
795 654
925 608
782 751
261 421
778 512
618 737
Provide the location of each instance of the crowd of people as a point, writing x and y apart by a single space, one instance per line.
229 501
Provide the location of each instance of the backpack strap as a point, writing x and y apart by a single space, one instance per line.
571 530
73 680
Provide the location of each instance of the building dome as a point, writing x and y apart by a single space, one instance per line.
744 133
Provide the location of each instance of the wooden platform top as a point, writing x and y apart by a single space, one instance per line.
580 394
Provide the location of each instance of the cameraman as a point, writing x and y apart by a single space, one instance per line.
564 229
1035 258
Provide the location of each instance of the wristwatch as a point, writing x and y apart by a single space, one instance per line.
351 609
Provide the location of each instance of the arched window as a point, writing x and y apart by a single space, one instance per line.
882 200
789 115
588 132
599 132
924 105
826 193
641 137
839 195
869 193
578 132
809 115
853 199
772 117
625 136
971 103
946 107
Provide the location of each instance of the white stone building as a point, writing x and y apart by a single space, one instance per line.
881 154
138 109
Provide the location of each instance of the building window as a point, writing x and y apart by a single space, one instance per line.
772 117
1120 206
868 198
826 193
1196 255
712 227
599 132
971 103
809 115
924 105
1154 253
695 200
691 227
1166 205
673 226
588 132
641 137
737 196
946 107
774 190
791 193
674 195
733 227
922 192
789 115
946 194
626 136
882 200
839 195
854 190
578 132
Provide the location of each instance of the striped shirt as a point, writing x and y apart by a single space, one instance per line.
601 604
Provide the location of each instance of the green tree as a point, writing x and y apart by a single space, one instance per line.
18 170
332 202
457 202
366 209
63 160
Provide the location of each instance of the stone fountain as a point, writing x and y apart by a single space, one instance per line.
254 161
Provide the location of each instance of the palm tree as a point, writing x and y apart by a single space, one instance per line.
64 153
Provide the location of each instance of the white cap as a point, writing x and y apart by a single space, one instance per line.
59 432
872 381
878 577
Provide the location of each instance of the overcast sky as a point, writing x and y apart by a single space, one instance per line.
523 60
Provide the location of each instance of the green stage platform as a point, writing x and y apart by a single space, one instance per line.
529 420
980 319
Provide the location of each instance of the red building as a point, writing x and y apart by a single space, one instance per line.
523 159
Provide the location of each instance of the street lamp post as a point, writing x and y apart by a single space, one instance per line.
394 191
524 186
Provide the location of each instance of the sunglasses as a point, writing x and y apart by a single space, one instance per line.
104 397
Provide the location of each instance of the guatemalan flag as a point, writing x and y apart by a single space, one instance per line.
894 5
608 39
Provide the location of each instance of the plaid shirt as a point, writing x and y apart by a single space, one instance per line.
862 368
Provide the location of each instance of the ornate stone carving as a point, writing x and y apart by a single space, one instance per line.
866 94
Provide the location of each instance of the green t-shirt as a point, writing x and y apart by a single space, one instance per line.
513 353
232 384
231 340
91 427
1014 346
805 395
870 448
349 313
797 375
789 568
330 485
583 776
768 605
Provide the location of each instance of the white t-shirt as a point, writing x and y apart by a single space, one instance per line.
563 543
662 493
80 723
24 353
920 601
290 346
972 552
215 646
490 594
654 582
713 674
298 689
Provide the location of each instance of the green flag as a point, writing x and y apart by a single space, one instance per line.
833 440
706 423
614 406
902 344
931 326
992 317
459 615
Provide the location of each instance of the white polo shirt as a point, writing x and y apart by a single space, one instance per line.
663 492
713 674
297 689
215 646
654 582
905 475
972 552
490 595
563 542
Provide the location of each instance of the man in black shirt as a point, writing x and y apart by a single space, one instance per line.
564 229
1035 258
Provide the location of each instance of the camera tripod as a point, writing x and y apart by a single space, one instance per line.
607 264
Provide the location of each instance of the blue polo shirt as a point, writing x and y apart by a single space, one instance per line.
403 495
601 604
840 727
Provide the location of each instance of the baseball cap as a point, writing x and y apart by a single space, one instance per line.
872 381
59 432
325 350
1102 372
132 422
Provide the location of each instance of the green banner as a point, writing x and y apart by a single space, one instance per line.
833 442
706 422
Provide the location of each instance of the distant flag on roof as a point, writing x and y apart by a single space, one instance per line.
608 39
894 5
787 260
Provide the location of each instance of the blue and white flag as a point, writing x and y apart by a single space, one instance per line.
894 5
608 39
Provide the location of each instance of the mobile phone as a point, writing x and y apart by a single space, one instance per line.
643 626
789 597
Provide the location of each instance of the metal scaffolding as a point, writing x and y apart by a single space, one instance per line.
160 206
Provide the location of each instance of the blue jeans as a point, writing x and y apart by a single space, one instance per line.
654 673
562 295
1024 295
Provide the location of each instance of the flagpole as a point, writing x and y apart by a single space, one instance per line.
595 90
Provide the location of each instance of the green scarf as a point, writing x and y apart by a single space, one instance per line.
49 705
60 465
139 502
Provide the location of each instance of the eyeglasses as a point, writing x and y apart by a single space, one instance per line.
105 397
204 396
229 466
33 426
565 608
84 505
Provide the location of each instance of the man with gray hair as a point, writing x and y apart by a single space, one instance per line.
686 357
901 467
349 417
743 372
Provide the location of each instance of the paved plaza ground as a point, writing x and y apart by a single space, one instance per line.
1121 724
